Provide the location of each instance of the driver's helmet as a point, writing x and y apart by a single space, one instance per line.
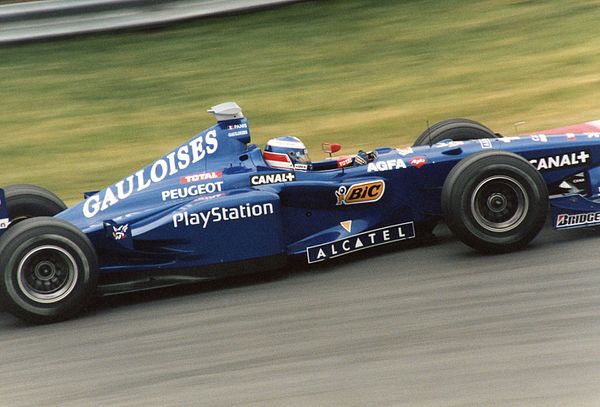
286 152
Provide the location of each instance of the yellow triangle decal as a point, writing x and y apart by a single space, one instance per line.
347 225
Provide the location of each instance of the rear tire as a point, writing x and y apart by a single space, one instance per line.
49 270
455 130
29 201
495 201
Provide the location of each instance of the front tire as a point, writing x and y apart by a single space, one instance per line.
495 201
49 270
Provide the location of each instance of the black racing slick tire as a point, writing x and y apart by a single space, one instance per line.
28 201
495 201
455 130
49 270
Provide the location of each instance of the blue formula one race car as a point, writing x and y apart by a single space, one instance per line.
218 205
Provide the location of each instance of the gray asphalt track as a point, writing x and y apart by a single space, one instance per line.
434 325
37 20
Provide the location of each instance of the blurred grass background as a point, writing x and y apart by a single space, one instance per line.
78 114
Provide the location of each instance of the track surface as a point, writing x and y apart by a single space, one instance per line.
434 325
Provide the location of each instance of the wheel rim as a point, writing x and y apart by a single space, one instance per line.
499 203
47 274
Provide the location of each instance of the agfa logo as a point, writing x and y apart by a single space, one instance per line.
363 192
418 162
386 165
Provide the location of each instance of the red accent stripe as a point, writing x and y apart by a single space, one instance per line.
276 157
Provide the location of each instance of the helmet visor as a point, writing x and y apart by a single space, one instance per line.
299 156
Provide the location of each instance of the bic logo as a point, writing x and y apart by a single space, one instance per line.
363 192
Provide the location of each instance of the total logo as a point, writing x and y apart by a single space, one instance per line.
561 160
386 165
568 221
192 190
171 164
205 176
361 241
418 162
218 214
345 161
364 192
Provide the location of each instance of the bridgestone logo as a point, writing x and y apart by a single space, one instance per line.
569 221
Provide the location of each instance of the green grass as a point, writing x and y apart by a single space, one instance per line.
80 113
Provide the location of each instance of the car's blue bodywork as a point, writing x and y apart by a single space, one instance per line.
212 206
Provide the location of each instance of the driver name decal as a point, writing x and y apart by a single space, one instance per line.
365 240
190 153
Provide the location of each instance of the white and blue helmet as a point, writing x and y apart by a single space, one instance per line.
286 152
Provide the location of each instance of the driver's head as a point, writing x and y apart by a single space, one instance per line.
286 152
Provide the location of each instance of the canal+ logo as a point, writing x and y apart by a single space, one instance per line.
363 192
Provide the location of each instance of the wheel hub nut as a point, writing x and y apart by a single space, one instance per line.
45 270
496 202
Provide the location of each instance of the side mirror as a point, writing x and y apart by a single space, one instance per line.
331 148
